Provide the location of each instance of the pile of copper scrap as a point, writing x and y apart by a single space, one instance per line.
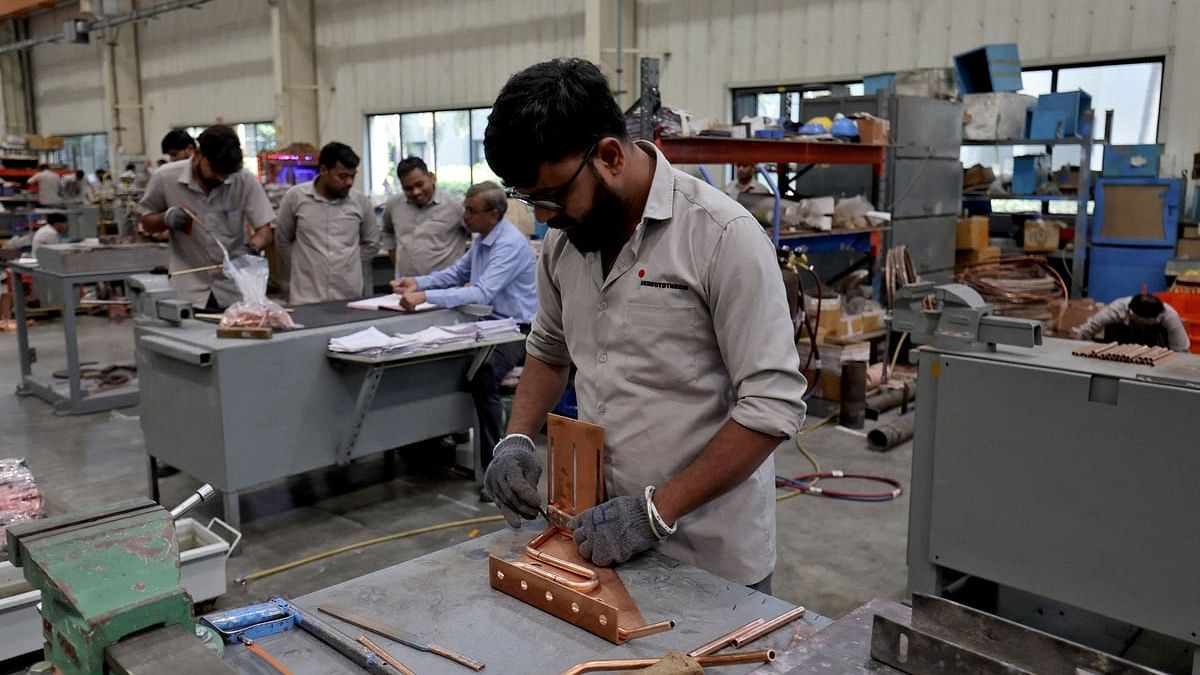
1025 287
1136 354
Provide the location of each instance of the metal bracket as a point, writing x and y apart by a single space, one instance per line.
366 394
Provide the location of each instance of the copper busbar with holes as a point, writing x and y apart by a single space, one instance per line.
551 575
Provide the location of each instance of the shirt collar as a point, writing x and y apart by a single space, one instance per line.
310 189
495 233
186 176
660 202
433 201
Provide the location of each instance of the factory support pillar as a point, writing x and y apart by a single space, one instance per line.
610 39
123 93
293 54
16 83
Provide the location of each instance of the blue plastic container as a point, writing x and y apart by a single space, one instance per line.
989 68
1029 172
1119 271
1060 115
1130 161
873 84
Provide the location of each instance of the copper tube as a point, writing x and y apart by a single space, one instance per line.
648 629
761 656
717 644
768 627
387 658
532 551
580 586
271 660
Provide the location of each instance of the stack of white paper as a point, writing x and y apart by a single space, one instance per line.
370 340
374 341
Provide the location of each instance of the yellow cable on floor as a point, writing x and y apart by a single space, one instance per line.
811 460
254 576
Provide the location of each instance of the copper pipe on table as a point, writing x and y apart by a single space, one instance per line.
387 658
531 550
580 586
762 656
768 627
717 644
648 629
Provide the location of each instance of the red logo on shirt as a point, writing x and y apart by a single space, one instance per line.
641 273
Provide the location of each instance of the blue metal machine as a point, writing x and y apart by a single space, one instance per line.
1133 233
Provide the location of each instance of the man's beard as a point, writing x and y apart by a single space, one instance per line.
602 229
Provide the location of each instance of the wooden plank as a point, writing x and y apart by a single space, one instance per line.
245 332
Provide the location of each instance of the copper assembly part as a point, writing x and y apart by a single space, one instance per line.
761 656
768 627
541 556
581 586
717 644
648 629
387 658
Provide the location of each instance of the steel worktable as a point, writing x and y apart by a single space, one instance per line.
76 401
241 413
446 598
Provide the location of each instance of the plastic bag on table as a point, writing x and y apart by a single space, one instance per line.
250 273
20 499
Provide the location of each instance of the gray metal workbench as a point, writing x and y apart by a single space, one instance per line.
74 401
446 598
240 413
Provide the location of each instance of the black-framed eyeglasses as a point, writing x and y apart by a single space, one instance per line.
552 201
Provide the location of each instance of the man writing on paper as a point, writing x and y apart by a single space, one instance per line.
499 270
326 229
666 295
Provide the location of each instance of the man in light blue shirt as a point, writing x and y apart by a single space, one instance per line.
499 270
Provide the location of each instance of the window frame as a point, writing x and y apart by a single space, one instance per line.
473 157
58 156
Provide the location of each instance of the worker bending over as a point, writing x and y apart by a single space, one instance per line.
499 271
1140 320
326 230
422 228
666 295
228 199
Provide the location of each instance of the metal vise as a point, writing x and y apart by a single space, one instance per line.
954 316
154 299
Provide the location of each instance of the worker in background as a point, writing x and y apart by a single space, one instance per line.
423 227
499 271
667 297
49 186
1140 320
178 144
76 189
746 182
50 233
103 190
326 229
228 199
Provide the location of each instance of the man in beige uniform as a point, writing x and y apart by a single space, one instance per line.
667 297
423 228
228 199
326 229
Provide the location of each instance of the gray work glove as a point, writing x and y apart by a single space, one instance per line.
512 478
613 532
177 219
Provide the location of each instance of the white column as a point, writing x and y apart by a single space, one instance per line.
293 54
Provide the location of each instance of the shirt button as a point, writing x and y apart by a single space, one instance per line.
604 358
602 408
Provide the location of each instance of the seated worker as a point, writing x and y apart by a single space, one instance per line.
746 182
226 197
499 270
325 231
50 233
1141 320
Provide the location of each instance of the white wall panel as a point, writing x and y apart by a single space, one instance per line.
387 56
67 84
202 64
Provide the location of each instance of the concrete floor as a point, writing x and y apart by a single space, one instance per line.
833 555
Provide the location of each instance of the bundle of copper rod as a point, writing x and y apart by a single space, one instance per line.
1025 286
1136 354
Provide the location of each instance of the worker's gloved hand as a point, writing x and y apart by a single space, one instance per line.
613 532
177 219
512 479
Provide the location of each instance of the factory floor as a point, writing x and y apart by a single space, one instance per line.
833 555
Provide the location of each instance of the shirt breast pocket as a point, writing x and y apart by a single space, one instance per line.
660 344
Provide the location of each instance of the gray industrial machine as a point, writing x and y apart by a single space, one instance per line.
153 299
1052 490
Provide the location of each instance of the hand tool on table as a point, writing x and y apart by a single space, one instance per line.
362 656
398 635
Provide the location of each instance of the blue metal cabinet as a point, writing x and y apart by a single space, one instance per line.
1059 115
1119 272
989 68
1136 212
1131 161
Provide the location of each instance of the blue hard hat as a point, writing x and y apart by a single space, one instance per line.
811 130
844 128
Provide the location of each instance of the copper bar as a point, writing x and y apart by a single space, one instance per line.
768 627
761 656
717 644
387 658
648 629
271 660
532 551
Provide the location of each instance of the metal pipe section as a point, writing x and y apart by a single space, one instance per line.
361 656
887 400
854 395
768 627
648 629
887 436
201 495
719 643
762 656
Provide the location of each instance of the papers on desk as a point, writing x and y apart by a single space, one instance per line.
390 302
372 341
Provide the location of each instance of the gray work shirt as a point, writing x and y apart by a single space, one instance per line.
325 242
426 238
226 211
46 235
689 329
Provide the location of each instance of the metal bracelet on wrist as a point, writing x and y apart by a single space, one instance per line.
658 525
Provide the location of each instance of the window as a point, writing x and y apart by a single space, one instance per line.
255 137
450 142
83 151
1132 90
770 101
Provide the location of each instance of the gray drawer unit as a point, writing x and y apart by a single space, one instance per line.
930 242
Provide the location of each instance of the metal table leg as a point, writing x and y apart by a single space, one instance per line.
72 344
24 355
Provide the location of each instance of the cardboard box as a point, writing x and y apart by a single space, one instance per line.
1076 313
978 176
39 142
972 233
1041 235
831 385
851 324
873 321
874 131
1067 178
1187 248
973 256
